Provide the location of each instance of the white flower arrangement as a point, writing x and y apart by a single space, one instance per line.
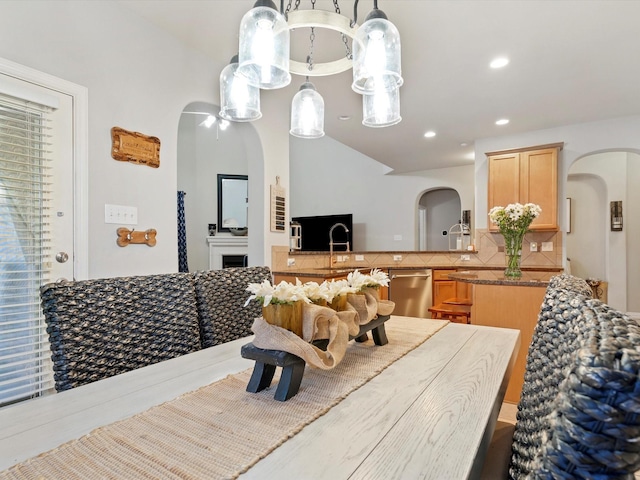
513 222
284 292
316 292
515 218
337 288
376 278
287 293
379 277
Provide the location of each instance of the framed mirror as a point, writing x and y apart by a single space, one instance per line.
233 201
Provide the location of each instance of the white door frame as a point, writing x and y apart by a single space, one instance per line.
80 127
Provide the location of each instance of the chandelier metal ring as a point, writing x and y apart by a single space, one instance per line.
321 19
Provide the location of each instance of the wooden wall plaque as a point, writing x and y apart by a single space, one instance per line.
135 147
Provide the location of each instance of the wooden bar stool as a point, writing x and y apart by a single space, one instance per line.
458 301
452 312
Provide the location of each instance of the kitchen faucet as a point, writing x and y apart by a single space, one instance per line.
332 243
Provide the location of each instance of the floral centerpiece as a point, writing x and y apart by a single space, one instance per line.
281 303
513 222
338 291
375 279
317 293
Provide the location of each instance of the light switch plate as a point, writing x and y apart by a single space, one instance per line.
397 258
291 262
359 258
120 214
397 238
547 246
533 247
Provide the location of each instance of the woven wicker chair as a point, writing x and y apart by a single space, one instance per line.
579 412
99 328
221 295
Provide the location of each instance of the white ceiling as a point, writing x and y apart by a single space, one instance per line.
571 61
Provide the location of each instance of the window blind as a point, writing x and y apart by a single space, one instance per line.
25 193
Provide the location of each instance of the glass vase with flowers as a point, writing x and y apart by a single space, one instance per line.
514 221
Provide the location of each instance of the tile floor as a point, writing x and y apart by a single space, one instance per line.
508 413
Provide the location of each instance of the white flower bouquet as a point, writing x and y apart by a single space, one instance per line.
375 279
515 218
513 222
282 293
316 292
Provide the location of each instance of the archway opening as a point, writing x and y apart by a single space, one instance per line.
438 211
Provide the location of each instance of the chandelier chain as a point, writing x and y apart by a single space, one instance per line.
345 40
312 37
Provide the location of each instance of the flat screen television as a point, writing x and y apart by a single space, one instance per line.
315 232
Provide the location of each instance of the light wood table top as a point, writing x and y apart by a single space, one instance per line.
428 415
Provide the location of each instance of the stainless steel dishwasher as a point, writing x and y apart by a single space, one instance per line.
411 292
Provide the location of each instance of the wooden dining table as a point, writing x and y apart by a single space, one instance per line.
430 414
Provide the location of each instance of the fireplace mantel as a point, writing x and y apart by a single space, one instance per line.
219 246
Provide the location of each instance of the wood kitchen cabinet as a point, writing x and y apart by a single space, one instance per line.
508 306
526 175
443 287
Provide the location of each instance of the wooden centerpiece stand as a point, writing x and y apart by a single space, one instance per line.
292 366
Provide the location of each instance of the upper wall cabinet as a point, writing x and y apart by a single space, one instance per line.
526 175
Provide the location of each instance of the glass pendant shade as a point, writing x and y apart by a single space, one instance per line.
381 109
264 47
307 113
240 101
376 55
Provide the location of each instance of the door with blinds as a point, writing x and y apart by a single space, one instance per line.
36 227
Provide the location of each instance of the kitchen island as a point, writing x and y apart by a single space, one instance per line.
509 303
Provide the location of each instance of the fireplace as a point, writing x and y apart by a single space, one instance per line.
228 251
229 261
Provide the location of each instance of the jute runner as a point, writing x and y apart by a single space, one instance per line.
220 430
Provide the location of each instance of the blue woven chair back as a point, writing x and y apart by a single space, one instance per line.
103 327
578 415
221 295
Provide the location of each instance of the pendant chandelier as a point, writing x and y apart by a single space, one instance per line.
263 62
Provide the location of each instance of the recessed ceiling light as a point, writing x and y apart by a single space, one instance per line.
464 144
502 121
430 134
344 117
499 62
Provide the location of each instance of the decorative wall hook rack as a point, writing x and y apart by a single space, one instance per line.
126 237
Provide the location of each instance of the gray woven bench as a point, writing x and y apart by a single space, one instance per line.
104 327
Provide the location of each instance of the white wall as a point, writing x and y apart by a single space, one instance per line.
329 178
139 78
586 244
631 212
619 134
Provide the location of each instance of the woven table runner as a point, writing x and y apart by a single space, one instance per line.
220 430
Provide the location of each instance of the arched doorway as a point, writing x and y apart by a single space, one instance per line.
438 210
593 248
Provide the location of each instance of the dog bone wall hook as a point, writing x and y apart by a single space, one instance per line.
126 237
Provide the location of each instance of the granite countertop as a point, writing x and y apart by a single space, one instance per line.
377 252
494 273
496 277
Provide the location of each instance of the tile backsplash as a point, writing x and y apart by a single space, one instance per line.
489 253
